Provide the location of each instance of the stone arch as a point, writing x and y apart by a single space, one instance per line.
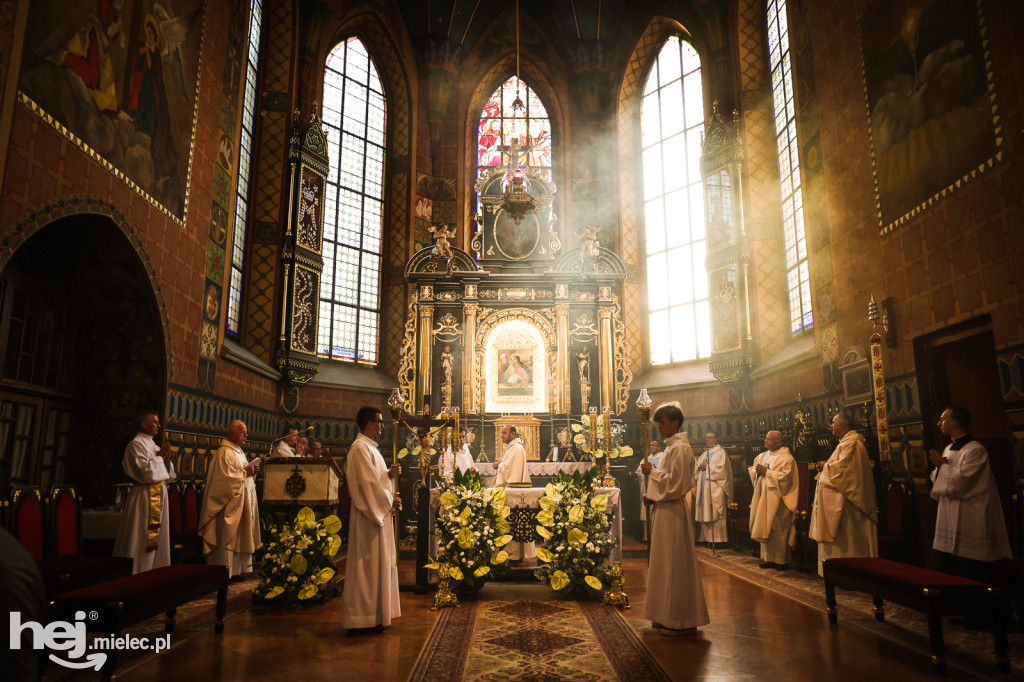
68 206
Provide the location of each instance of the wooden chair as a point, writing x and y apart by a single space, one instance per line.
186 545
806 548
895 523
25 520
66 568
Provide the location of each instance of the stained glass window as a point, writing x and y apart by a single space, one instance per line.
354 114
671 125
500 125
245 145
798 278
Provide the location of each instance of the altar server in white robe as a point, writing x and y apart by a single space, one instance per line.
773 506
370 597
969 529
675 596
145 534
844 518
654 457
713 491
229 522
513 469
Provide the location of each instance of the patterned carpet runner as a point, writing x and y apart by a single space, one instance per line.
534 640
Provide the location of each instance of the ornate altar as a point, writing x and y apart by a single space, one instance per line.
510 334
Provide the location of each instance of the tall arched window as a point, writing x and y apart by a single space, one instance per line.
671 126
798 278
354 115
500 125
236 265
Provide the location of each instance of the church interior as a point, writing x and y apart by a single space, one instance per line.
527 212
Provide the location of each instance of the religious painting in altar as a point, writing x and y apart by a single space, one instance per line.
930 101
120 79
515 370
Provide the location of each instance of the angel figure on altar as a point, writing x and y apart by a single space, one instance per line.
588 242
442 247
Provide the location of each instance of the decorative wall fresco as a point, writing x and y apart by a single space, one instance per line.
931 102
120 80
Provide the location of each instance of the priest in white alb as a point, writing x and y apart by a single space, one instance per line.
675 596
773 506
370 598
513 469
844 517
145 534
229 523
713 491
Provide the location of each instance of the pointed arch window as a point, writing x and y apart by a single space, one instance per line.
500 125
671 127
239 234
798 279
354 116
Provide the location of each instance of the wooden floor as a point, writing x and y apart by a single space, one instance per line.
754 634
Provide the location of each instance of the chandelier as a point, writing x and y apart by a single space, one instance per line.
516 200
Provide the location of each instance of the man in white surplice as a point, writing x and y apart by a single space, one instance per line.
675 596
714 490
229 521
970 529
370 597
773 506
844 518
145 532
654 457
512 469
286 445
463 459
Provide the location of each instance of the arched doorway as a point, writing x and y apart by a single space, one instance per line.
83 353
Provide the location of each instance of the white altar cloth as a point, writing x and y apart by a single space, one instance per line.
530 497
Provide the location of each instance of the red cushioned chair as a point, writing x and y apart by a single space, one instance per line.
25 520
186 545
894 524
66 568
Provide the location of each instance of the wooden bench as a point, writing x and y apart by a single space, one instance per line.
126 601
931 592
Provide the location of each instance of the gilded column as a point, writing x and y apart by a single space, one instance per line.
424 339
469 311
562 368
604 346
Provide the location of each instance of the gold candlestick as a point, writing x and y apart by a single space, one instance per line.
643 406
395 404
608 481
593 433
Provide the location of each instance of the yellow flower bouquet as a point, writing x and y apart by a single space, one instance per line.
472 530
574 523
298 558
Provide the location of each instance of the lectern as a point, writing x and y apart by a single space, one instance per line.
305 481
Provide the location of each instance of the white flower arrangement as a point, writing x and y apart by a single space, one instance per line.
574 523
472 528
298 560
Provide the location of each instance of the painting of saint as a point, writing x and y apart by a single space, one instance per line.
515 372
